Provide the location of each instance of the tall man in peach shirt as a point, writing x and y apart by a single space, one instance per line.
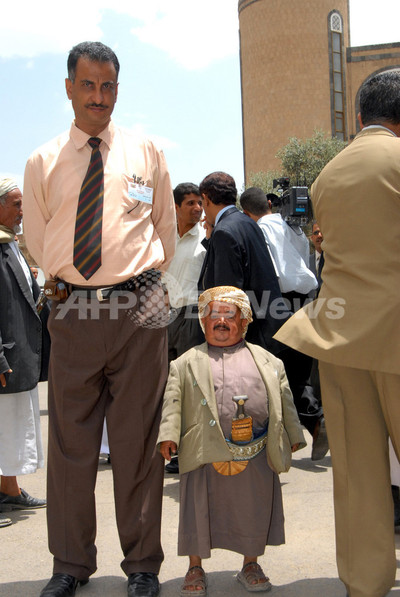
109 343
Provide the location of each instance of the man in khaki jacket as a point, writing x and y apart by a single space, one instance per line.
354 330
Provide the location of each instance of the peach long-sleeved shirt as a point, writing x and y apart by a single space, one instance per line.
136 236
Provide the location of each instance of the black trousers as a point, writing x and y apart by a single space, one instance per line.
184 331
302 373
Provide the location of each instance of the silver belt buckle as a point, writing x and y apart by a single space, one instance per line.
99 293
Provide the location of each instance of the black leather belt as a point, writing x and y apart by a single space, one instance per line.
104 293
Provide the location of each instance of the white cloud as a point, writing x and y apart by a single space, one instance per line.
192 33
164 143
33 28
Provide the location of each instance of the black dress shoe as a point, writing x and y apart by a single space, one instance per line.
320 441
143 584
23 501
173 466
62 585
396 503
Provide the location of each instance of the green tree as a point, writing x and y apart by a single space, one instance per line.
263 180
302 161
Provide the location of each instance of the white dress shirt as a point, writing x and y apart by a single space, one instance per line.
289 251
183 273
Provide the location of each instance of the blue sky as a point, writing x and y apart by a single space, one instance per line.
179 79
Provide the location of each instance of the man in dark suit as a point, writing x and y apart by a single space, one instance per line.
238 256
23 359
316 258
313 388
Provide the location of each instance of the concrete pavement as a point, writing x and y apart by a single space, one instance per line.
304 567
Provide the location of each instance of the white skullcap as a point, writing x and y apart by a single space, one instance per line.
7 185
226 294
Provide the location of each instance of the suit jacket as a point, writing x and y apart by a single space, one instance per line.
24 340
238 256
355 321
190 414
313 267
312 263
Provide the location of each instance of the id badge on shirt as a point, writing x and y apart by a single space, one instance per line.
139 192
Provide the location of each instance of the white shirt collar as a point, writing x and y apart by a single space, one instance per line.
219 214
379 126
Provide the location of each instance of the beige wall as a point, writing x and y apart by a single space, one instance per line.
362 62
285 73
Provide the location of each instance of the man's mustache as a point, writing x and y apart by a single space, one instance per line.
93 105
221 326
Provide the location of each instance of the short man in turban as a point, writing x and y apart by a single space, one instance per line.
229 410
23 359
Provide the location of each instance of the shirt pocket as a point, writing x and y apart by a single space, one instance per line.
133 208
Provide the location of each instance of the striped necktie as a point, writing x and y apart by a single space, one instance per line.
89 215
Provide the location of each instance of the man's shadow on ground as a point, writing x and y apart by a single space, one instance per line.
220 584
314 466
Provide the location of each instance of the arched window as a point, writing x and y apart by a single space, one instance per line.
336 22
336 60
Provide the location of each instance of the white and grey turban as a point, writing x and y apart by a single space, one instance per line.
226 294
7 185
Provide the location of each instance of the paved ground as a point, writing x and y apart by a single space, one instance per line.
304 567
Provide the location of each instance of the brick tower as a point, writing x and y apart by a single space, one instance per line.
293 74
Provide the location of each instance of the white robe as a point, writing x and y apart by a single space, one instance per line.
21 450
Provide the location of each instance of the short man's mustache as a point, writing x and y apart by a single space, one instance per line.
221 326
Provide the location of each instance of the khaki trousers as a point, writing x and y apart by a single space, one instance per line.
361 408
102 366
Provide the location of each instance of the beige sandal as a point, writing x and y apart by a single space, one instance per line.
195 577
253 578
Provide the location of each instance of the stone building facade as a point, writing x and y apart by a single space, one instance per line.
300 74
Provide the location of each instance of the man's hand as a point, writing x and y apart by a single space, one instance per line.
3 378
208 227
168 449
295 447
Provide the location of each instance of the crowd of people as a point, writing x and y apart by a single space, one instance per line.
208 345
